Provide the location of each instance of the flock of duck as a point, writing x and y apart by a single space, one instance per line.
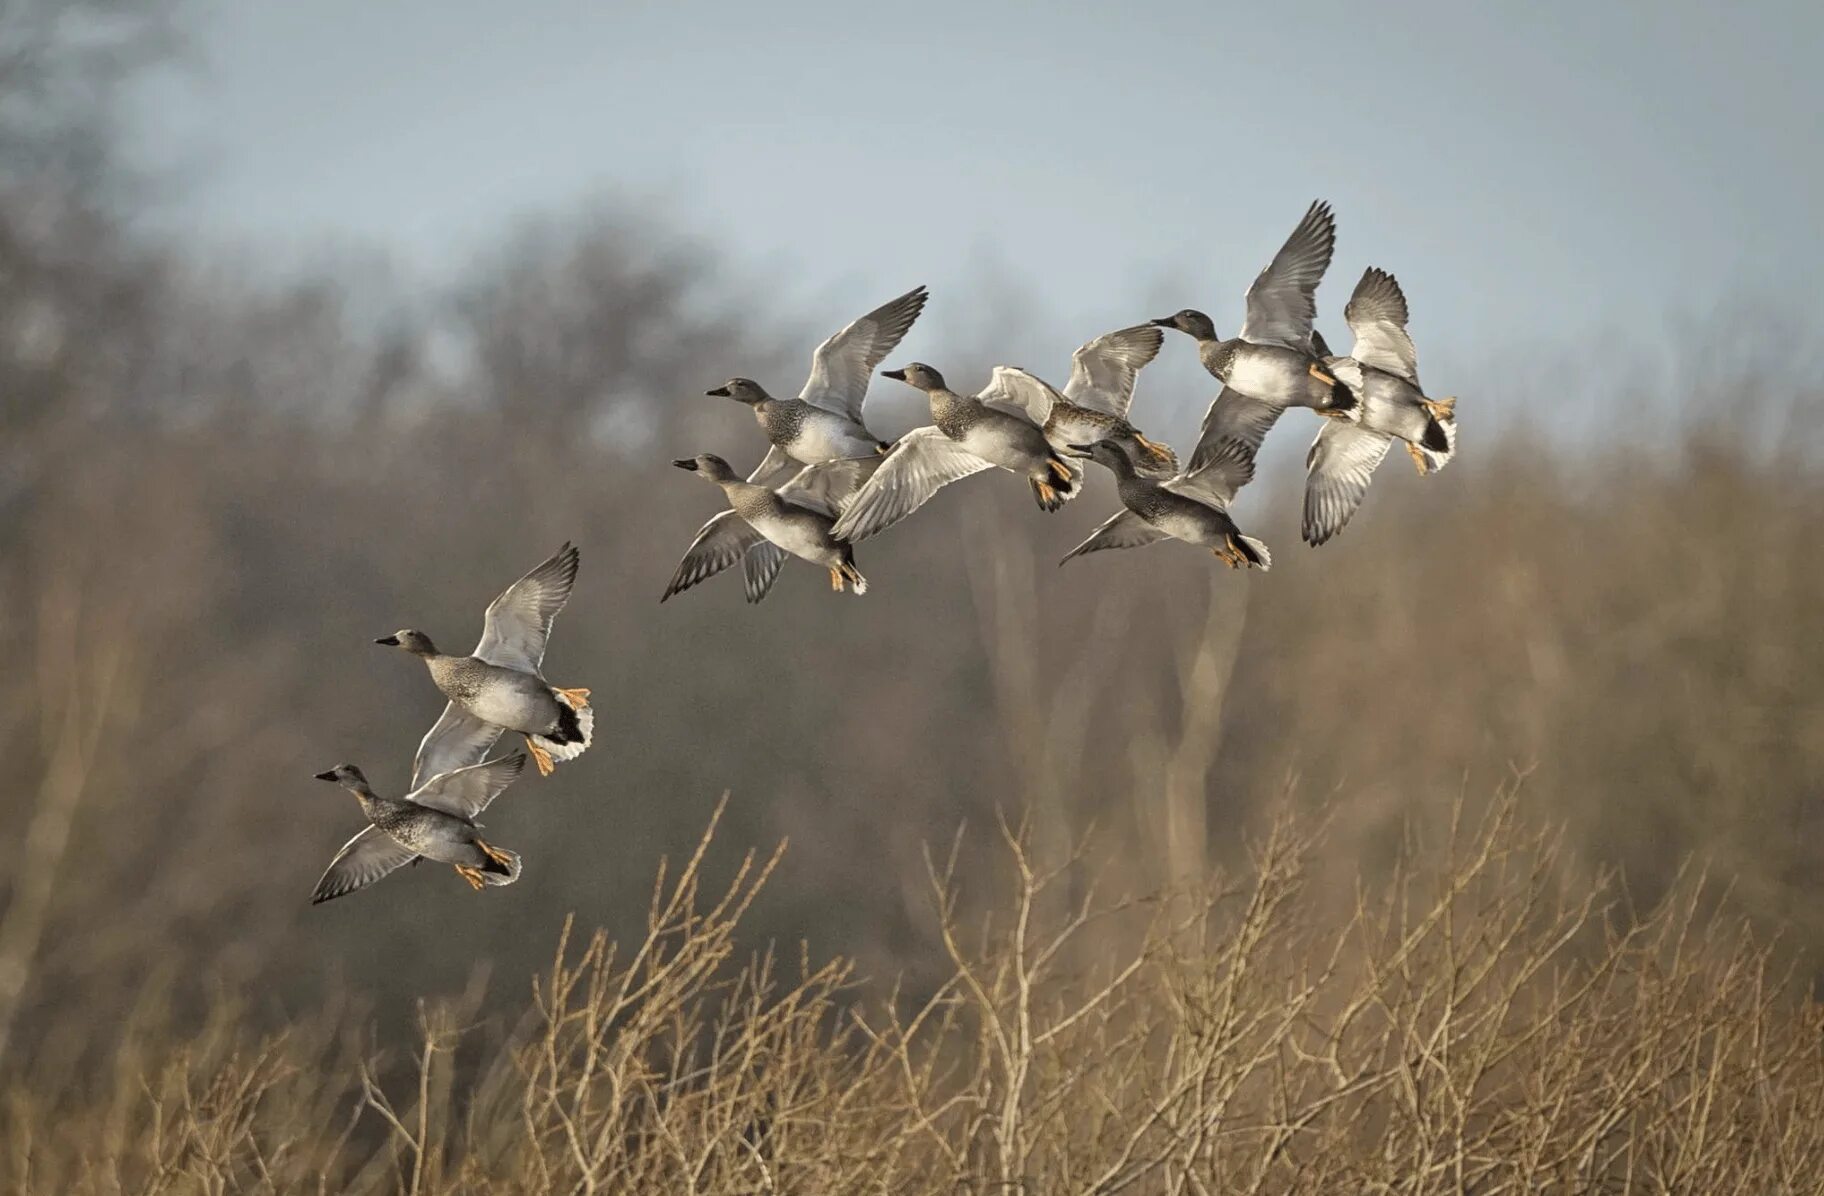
847 484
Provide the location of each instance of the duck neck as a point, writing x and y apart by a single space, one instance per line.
945 403
737 491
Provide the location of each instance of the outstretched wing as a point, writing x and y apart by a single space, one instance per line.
719 543
1103 372
363 860
1377 315
1231 436
519 621
1338 468
456 740
465 792
1282 303
1123 529
827 488
760 569
1014 391
774 461
922 463
843 365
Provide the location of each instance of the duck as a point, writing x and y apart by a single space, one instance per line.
1192 506
1095 401
435 821
1272 363
967 435
1382 369
764 525
824 422
500 686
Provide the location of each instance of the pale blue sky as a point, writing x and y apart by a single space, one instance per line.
1533 174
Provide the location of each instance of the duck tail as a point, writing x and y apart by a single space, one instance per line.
1255 551
499 866
575 728
857 583
1439 443
1343 400
1057 485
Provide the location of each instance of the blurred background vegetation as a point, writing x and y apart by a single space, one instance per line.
216 490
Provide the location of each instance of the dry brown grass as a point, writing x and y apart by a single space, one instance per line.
1476 1026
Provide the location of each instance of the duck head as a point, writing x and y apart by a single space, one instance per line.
741 390
345 775
918 375
708 465
407 640
1192 322
1103 452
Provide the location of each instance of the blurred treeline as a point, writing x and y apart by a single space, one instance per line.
215 491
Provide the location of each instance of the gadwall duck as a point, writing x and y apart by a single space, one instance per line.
764 525
435 821
824 422
966 436
500 686
1193 507
1383 370
1272 363
1094 403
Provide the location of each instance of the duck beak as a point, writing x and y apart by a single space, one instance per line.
1166 322
1077 450
390 641
896 375
326 776
720 392
686 463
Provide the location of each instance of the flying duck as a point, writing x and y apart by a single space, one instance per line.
500 686
824 422
1273 363
1192 506
1383 370
435 821
966 436
764 525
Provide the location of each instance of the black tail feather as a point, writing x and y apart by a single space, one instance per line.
1435 438
568 729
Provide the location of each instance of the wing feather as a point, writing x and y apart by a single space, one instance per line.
1123 529
1377 315
842 366
1282 303
725 539
774 461
922 463
518 622
1017 392
363 860
1338 469
456 740
1233 429
1103 372
465 792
